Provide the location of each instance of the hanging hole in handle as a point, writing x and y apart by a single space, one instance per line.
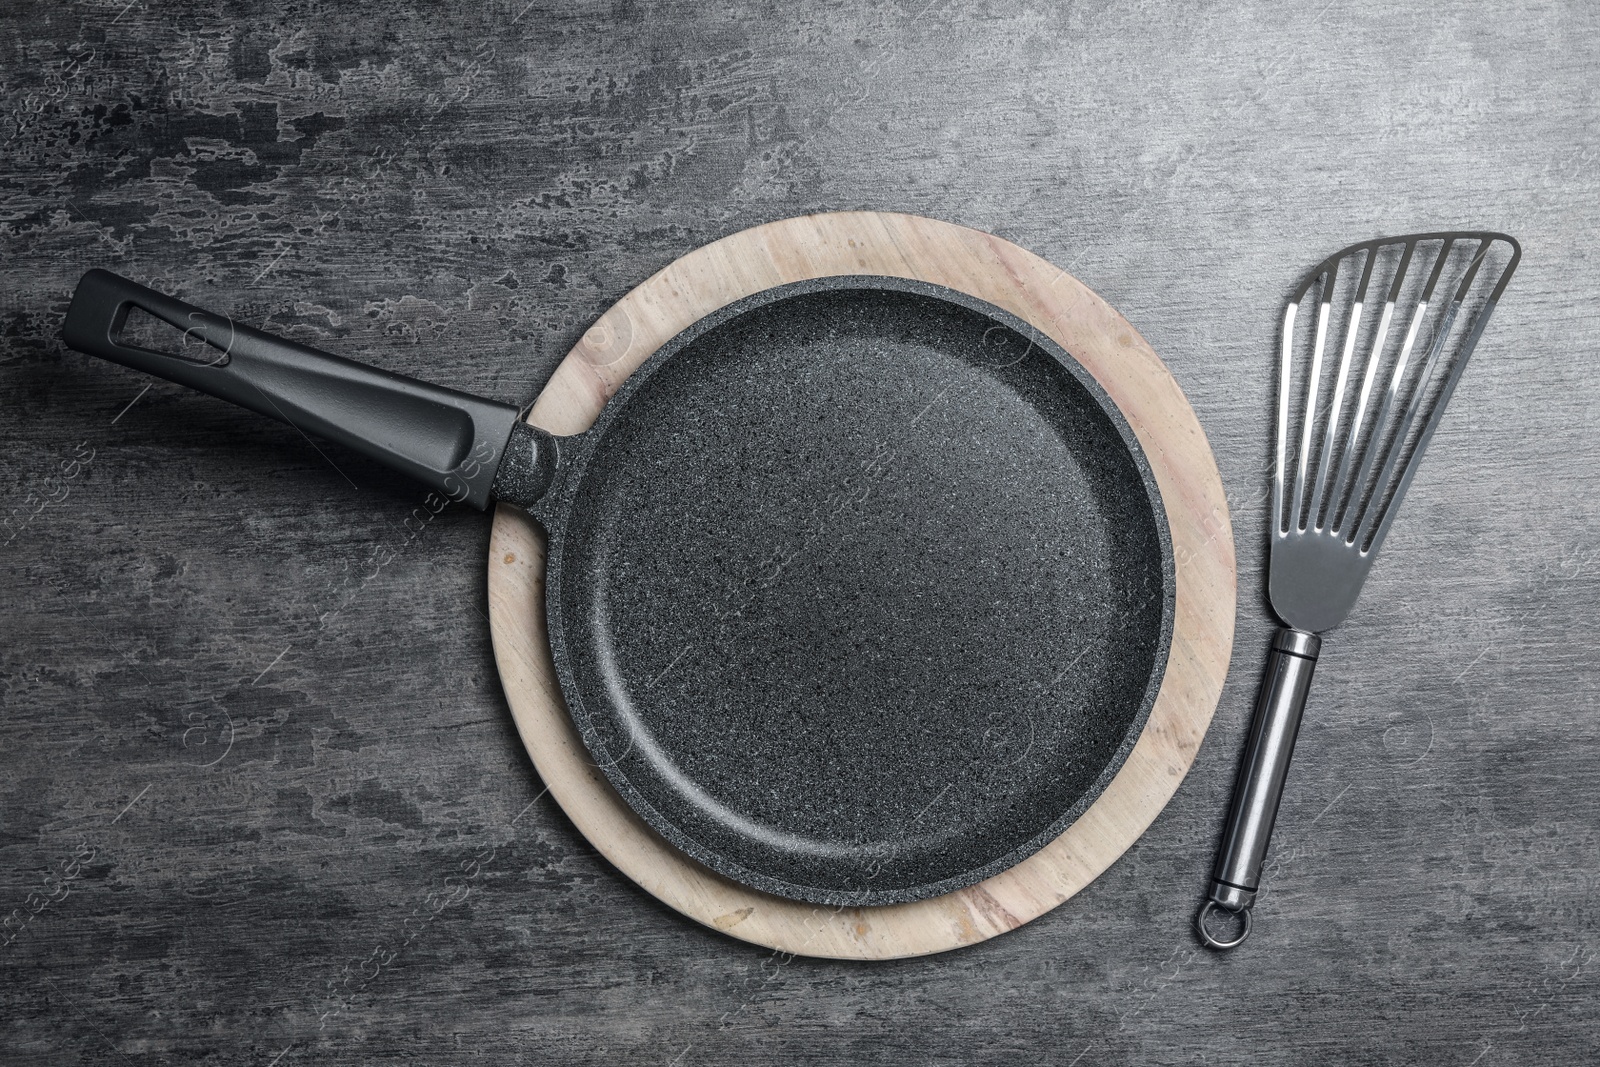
1212 941
137 328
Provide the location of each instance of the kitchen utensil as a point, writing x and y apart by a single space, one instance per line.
1350 476
859 592
1052 302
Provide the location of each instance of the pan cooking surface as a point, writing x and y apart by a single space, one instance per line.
860 591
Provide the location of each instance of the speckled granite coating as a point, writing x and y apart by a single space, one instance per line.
859 590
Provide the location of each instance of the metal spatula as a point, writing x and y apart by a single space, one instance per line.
1354 455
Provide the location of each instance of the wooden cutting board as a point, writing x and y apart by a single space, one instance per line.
1054 302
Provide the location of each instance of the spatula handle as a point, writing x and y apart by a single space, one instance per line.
449 440
1259 788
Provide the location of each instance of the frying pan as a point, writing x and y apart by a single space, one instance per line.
859 590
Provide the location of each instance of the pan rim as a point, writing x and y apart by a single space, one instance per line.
555 512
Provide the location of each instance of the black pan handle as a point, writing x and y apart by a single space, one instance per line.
446 439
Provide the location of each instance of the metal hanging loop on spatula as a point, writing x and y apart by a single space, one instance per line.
1353 426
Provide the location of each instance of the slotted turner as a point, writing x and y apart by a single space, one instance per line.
1354 454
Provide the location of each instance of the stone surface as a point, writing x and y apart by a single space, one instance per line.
259 793
860 594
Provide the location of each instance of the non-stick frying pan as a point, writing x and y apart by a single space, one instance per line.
859 591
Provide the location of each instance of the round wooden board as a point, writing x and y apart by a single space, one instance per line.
1054 302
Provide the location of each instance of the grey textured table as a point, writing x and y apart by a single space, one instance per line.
455 192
